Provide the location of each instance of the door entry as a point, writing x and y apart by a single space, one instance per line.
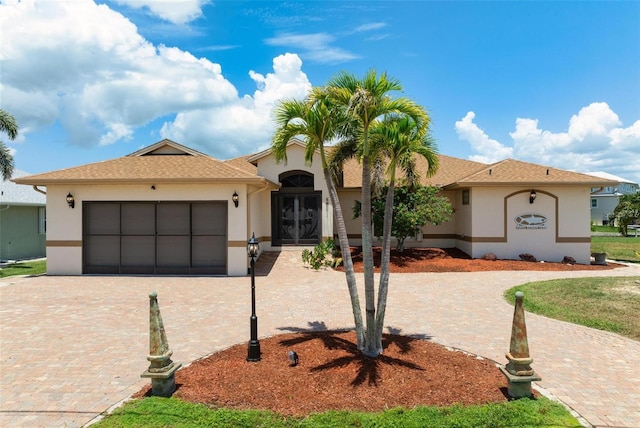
296 218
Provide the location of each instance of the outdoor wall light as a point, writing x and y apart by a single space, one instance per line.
71 201
235 199
532 196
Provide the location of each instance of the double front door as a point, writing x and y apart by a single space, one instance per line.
296 218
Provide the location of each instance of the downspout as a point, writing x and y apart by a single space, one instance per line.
38 190
260 190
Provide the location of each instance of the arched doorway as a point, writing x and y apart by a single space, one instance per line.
296 210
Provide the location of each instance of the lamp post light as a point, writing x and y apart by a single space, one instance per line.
253 354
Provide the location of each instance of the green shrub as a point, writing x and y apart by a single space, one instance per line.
325 254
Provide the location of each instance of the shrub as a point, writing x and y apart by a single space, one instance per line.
325 254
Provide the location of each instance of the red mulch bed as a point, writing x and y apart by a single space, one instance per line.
332 374
454 260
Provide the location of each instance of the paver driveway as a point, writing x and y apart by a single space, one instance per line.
71 347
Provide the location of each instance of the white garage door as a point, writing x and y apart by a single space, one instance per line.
177 238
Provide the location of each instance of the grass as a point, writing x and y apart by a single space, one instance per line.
172 412
37 267
608 229
610 304
622 248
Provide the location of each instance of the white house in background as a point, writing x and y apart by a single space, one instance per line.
604 199
22 221
168 209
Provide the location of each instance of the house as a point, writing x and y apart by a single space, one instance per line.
22 221
604 199
168 209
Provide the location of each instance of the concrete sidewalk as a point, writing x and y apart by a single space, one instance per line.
72 347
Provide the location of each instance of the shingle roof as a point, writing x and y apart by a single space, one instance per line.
511 171
449 170
17 194
243 163
167 161
161 168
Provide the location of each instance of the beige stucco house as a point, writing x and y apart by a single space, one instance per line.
168 209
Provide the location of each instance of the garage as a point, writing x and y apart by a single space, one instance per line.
171 238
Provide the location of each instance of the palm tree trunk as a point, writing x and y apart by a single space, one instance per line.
383 288
346 259
367 258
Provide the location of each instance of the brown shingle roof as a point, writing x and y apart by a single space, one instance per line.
511 171
243 163
160 168
449 170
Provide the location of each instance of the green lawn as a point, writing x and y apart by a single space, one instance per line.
626 249
25 268
610 304
172 412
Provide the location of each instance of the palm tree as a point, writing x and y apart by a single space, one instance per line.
8 125
314 121
368 100
398 139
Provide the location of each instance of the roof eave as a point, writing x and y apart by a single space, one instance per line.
151 180
465 184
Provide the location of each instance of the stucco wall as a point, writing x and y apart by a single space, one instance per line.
566 231
19 233
64 235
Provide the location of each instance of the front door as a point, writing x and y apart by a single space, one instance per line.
296 218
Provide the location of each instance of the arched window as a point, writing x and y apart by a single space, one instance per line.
296 179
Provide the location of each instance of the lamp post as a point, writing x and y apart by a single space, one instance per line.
253 353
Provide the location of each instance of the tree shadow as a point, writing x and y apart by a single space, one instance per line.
367 367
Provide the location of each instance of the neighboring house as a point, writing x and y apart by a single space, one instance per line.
604 199
22 221
168 209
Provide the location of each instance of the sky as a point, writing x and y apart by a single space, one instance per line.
553 83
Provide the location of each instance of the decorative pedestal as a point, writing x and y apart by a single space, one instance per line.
161 370
518 370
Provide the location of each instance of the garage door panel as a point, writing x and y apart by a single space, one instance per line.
209 218
174 219
138 254
209 251
105 254
102 219
173 251
138 219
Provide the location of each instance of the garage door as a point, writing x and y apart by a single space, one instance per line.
177 238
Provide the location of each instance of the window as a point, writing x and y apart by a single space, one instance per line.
42 220
594 203
465 197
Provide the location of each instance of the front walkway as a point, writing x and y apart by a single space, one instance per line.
72 347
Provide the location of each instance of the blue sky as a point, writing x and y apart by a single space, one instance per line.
554 83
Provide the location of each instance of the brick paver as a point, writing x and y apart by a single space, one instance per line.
72 347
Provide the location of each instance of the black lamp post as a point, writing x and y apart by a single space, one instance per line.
253 354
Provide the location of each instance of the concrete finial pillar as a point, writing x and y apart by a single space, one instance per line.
518 370
161 370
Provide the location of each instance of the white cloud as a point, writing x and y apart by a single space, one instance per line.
175 11
595 140
315 47
90 71
490 150
370 27
243 126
